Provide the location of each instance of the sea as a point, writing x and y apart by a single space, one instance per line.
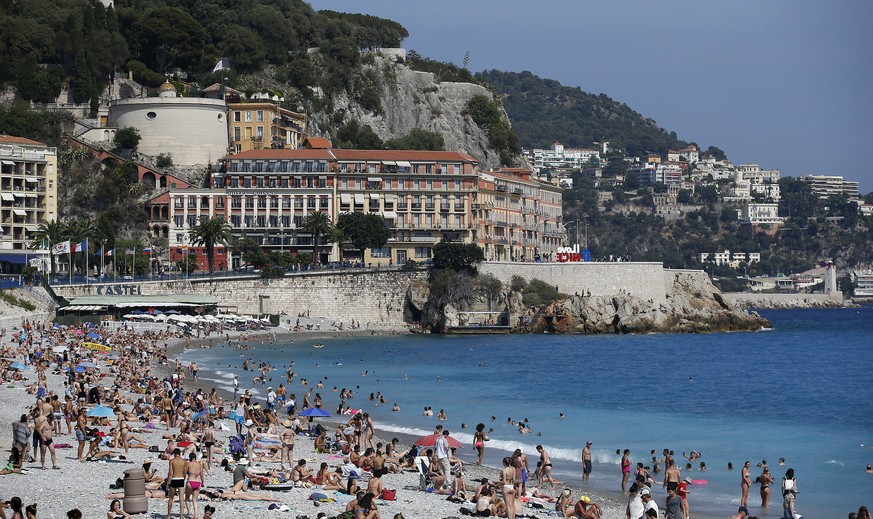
802 391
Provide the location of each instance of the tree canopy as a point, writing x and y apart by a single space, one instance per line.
364 231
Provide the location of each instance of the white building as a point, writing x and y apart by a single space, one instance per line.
827 185
192 129
759 214
689 154
559 157
733 260
863 284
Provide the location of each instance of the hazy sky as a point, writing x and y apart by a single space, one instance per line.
782 83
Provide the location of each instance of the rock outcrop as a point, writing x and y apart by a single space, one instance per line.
412 99
693 305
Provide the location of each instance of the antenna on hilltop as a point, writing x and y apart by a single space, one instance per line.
467 59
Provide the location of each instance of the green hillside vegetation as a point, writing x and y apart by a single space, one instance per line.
46 42
543 111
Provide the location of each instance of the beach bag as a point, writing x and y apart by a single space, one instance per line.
237 446
389 495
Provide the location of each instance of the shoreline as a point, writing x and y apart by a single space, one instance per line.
607 499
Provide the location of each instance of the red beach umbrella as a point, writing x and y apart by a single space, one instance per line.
430 441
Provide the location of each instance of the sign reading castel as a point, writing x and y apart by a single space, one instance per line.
569 254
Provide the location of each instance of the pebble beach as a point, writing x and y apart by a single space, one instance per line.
86 485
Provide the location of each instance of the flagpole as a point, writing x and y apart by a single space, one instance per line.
115 263
70 254
87 252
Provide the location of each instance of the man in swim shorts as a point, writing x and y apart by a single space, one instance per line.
586 461
175 482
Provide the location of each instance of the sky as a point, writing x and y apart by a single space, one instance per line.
785 84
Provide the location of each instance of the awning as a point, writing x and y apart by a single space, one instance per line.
19 195
83 308
389 197
374 179
374 196
345 198
359 198
31 228
322 176
7 196
388 163
31 195
31 179
404 164
389 215
20 212
8 163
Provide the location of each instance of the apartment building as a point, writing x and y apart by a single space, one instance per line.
559 157
262 124
518 218
28 197
827 185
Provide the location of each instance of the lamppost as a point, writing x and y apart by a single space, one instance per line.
575 224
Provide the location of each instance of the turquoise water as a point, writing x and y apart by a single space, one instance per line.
801 391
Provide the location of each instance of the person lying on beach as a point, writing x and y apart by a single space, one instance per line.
327 479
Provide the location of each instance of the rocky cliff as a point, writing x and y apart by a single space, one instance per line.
412 99
693 305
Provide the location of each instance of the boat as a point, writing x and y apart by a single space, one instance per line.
318 346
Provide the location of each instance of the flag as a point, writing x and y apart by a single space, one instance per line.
222 64
129 251
146 251
61 248
111 252
99 251
182 250
82 246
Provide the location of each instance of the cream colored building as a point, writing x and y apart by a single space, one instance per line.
256 125
28 197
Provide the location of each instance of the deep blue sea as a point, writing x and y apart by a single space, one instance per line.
802 391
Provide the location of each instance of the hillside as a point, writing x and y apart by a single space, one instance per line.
543 111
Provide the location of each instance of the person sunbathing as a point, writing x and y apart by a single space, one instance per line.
329 480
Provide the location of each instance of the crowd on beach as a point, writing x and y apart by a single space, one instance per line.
118 397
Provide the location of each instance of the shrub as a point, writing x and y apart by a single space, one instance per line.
164 160
127 138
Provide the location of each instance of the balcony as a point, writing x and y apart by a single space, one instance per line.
429 207
502 189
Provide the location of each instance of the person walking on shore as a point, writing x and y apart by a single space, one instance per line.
80 433
20 435
789 493
507 479
545 468
46 442
586 461
176 482
442 453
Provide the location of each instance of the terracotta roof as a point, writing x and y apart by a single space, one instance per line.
10 139
403 155
216 87
303 154
317 143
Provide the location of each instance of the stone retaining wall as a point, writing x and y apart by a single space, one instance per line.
645 280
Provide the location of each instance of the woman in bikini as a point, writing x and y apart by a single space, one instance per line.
507 479
327 479
208 440
479 440
194 476
366 508
765 479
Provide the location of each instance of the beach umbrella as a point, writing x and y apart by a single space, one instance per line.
173 312
92 335
86 364
314 411
18 365
137 312
101 411
78 369
430 441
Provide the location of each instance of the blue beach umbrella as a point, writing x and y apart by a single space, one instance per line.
314 411
86 364
101 411
79 369
18 365
92 335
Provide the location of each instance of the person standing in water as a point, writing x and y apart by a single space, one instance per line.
745 483
625 469
586 461
479 440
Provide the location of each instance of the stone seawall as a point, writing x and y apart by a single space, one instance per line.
782 301
374 297
646 280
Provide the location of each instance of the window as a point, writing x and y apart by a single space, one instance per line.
181 237
178 221
236 202
192 220
259 132
236 116
322 202
382 252
237 135
247 182
262 201
234 220
192 201
248 116
260 116
219 203
250 202
422 252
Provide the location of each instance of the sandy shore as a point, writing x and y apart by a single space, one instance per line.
85 485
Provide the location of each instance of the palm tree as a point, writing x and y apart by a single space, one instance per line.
339 237
77 232
317 224
47 234
208 233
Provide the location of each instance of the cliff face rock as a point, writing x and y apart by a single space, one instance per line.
693 305
412 99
